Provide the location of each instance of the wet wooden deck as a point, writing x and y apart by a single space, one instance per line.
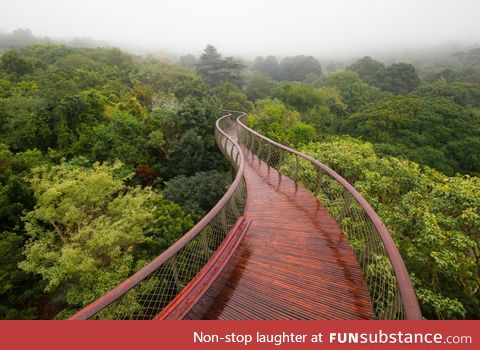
294 262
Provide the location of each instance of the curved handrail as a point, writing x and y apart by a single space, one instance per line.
166 272
271 152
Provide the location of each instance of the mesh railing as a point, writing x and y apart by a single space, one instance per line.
150 290
389 286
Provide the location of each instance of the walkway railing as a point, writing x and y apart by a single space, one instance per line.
389 286
150 290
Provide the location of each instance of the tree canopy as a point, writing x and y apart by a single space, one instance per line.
74 220
399 78
366 68
432 131
214 69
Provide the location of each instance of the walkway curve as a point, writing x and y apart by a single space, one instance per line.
280 252
293 263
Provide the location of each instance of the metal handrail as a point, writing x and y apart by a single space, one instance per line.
166 273
385 306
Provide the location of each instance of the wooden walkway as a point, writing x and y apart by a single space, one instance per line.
294 262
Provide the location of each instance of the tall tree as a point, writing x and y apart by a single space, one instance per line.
399 78
214 69
298 68
355 93
366 68
259 86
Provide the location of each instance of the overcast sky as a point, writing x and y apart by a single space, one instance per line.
251 27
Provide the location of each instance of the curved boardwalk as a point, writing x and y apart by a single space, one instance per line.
294 262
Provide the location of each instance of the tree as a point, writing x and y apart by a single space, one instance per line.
432 131
298 68
19 292
214 69
268 66
280 123
464 94
197 193
302 97
17 38
193 153
14 65
259 86
232 98
121 138
355 93
187 61
400 78
271 67
86 228
366 68
319 107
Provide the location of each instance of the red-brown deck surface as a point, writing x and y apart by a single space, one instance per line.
294 262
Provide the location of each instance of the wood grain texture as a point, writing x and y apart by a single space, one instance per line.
293 263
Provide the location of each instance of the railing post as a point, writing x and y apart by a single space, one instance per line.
176 278
204 239
231 152
225 146
296 172
250 144
223 218
235 210
346 204
268 158
259 155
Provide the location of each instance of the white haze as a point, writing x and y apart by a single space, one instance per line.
252 27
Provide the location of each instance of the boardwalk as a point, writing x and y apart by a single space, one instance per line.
294 262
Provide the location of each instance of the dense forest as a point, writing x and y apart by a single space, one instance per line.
106 158
99 151
411 148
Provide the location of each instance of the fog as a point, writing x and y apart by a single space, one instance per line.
252 27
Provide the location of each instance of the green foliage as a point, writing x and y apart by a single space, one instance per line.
273 119
464 94
18 291
122 138
232 98
15 194
188 61
433 219
14 65
319 107
75 107
300 68
268 66
399 78
366 68
354 92
259 86
17 38
85 229
302 97
214 69
431 131
198 193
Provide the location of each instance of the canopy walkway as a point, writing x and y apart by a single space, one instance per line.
290 239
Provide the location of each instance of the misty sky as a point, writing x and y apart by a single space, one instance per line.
251 27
